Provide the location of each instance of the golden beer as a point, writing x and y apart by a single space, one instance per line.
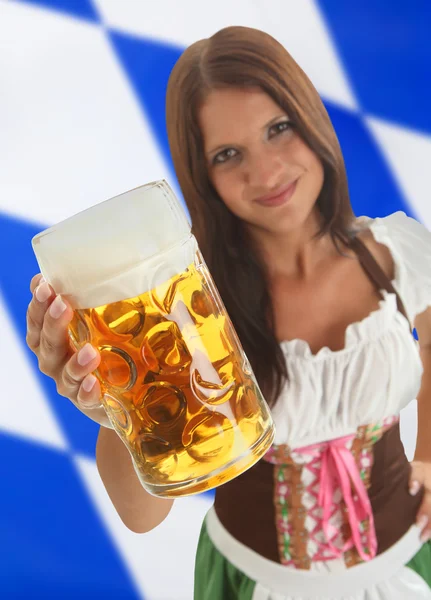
176 384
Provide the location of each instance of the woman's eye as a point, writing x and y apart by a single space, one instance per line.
224 156
280 127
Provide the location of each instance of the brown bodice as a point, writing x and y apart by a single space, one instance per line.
247 506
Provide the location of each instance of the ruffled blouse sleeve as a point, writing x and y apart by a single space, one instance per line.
410 245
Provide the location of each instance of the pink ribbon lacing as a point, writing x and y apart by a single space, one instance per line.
338 469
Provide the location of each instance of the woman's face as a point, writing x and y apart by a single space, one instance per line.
253 157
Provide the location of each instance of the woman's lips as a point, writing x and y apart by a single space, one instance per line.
279 197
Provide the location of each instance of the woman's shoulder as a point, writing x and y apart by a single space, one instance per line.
380 251
402 246
395 224
402 235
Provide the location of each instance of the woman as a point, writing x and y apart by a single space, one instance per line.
323 304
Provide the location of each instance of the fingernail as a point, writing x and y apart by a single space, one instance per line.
57 308
423 522
86 355
426 537
89 382
414 488
42 292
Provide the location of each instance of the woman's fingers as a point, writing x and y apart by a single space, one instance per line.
36 312
420 477
77 374
48 318
424 517
78 384
54 345
417 477
35 280
89 392
89 401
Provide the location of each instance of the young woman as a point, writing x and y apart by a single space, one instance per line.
323 304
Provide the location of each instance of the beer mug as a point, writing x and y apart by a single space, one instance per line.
176 384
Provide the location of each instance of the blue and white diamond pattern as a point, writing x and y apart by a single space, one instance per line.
82 119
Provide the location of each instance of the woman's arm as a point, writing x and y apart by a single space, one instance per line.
139 510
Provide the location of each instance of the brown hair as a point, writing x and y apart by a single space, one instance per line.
244 57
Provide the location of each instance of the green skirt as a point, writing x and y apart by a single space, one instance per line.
217 579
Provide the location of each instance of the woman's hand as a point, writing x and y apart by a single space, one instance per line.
421 477
48 317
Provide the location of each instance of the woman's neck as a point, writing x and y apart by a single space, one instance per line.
296 254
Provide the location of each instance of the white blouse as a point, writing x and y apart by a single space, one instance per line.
378 372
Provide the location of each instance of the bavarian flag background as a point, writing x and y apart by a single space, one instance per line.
82 94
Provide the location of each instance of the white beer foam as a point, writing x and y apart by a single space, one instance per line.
117 249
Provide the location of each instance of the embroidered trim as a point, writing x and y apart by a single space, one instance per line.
299 515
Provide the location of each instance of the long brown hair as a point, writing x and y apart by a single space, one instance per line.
244 57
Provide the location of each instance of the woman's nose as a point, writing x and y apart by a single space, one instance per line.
265 171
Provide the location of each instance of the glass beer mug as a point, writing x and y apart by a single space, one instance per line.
176 384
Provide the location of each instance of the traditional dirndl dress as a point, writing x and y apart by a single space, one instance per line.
327 514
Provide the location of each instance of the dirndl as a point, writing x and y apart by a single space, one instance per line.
217 577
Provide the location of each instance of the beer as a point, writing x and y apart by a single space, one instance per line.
176 384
